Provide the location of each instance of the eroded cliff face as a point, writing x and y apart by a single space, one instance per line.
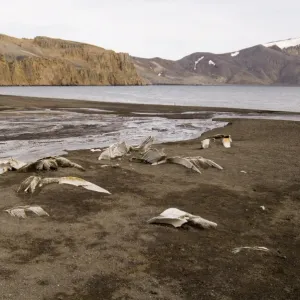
46 61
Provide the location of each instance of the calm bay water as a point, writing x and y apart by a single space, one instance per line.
252 97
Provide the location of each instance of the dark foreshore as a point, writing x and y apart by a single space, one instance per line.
96 246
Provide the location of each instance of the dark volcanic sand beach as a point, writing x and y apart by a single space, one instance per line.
96 246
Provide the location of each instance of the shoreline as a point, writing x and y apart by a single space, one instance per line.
88 124
24 102
165 84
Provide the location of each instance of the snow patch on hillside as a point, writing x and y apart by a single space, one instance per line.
211 63
235 54
284 43
197 61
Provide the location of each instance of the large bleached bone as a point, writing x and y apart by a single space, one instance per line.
35 183
115 151
10 164
50 163
20 211
177 217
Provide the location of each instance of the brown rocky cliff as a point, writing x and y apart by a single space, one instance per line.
5 75
46 61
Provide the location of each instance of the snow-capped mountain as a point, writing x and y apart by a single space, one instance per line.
272 63
283 44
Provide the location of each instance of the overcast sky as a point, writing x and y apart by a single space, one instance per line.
149 28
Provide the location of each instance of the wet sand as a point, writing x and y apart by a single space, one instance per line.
96 246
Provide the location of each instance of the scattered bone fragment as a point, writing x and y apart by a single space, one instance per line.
225 139
205 143
156 157
96 150
145 145
111 166
257 248
49 163
177 218
151 156
118 150
114 151
10 164
20 211
194 163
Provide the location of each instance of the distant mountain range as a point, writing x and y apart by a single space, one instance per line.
48 61
272 63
